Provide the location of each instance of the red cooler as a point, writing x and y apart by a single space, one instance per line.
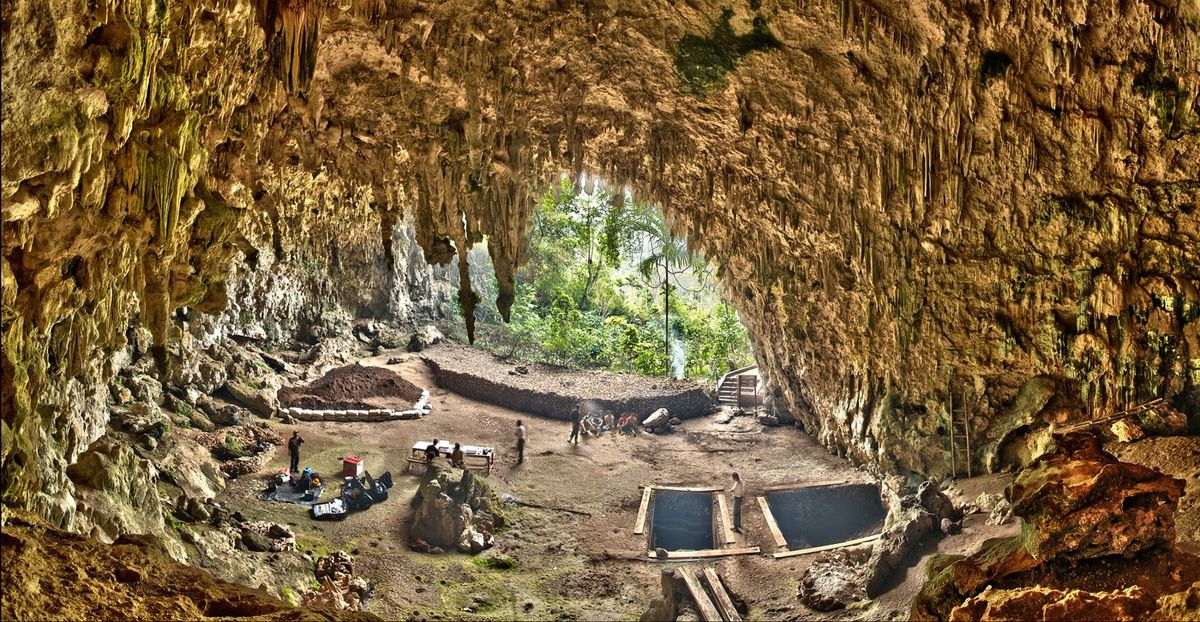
352 467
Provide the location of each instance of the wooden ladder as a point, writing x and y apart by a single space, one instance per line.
960 441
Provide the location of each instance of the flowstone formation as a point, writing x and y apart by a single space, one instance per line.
1097 542
913 204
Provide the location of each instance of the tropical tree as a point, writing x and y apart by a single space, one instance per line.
665 259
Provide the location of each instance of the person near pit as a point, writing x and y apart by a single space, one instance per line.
608 423
458 458
737 491
294 451
627 424
520 442
431 452
575 423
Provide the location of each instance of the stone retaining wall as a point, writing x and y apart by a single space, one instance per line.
682 403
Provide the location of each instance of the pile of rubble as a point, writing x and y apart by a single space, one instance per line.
339 588
454 515
1097 542
265 537
242 449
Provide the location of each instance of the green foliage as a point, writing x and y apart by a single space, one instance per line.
289 596
702 62
592 294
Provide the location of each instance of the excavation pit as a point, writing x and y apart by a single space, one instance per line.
824 516
682 521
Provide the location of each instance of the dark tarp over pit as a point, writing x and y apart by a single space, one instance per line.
823 515
682 521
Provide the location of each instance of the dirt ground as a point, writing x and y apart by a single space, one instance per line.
570 566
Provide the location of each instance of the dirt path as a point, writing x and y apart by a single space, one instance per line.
568 566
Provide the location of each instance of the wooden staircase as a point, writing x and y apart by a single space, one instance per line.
740 388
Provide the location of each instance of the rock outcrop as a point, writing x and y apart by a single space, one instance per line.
454 515
81 579
1080 502
1097 542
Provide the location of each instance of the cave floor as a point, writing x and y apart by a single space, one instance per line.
570 566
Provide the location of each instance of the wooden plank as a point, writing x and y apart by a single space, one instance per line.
708 612
705 553
724 603
827 547
640 527
780 541
726 518
684 488
801 486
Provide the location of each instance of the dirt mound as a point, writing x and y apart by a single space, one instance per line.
353 387
77 578
554 391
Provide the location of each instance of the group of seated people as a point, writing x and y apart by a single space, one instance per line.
595 424
457 457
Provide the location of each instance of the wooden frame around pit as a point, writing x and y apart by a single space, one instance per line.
781 542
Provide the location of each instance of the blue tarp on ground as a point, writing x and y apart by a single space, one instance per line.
285 494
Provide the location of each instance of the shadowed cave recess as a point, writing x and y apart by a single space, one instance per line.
915 207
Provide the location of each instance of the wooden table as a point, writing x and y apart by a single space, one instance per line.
477 457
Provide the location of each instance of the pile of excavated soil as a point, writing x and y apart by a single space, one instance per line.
553 391
353 387
54 575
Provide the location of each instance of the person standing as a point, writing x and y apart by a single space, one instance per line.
737 490
574 425
520 442
294 451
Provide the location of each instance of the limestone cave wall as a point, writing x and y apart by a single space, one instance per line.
913 203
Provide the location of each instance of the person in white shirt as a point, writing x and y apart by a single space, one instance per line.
737 490
520 442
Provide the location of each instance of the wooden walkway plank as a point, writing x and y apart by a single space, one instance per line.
684 488
802 485
708 612
717 587
640 527
827 547
780 541
677 555
726 518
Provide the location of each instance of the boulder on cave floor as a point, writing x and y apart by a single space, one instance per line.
454 512
834 580
910 520
1079 501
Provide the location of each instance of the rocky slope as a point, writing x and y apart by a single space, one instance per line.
1097 542
50 574
990 204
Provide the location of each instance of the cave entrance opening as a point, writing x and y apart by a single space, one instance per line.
823 516
682 521
609 284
